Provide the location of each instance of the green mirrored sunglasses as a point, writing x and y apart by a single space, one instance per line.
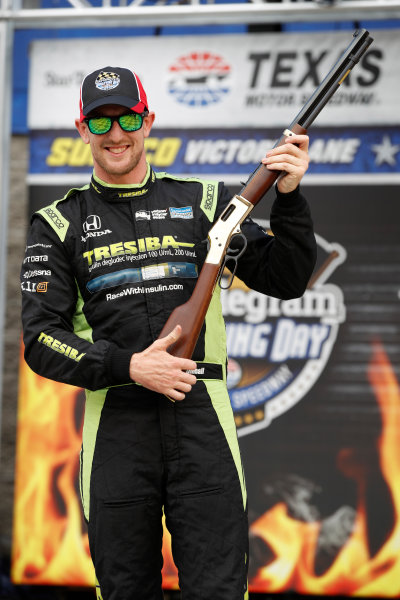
130 122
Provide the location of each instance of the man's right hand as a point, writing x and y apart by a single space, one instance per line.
157 370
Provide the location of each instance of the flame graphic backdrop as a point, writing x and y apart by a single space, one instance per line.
50 542
354 571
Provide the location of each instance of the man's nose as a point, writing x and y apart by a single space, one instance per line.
116 128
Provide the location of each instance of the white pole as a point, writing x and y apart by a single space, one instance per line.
5 133
200 14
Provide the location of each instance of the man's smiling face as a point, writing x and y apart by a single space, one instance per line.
118 155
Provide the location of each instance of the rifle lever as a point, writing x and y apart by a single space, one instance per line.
232 254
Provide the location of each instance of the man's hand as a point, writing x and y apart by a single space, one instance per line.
161 372
292 158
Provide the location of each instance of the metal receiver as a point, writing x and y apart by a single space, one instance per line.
227 225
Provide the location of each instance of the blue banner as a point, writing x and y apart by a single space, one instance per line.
232 152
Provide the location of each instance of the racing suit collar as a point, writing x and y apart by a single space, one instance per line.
122 192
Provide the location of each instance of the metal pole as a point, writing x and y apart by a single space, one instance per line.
201 14
5 120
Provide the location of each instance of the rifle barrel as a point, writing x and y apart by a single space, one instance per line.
338 73
260 180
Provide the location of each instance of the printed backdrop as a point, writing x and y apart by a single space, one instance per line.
200 81
314 382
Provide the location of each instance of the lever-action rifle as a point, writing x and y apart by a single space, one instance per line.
191 314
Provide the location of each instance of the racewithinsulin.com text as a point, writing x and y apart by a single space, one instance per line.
145 290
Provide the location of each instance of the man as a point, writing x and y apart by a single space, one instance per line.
111 261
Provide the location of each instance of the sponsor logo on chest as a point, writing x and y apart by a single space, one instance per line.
185 212
92 228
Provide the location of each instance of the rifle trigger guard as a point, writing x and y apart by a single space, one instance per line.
232 254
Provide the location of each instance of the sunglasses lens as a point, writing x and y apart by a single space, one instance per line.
131 122
100 125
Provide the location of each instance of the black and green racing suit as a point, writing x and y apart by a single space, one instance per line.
104 267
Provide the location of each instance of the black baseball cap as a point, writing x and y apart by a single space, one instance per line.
112 85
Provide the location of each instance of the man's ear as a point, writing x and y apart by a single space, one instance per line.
83 130
148 123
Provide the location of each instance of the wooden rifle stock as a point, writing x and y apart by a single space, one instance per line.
191 315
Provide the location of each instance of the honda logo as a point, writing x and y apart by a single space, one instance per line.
92 223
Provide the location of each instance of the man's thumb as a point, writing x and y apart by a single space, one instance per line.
172 337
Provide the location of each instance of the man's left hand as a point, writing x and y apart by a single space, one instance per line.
292 159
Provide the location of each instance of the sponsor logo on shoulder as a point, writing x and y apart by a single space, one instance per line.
210 196
31 286
37 273
38 245
186 212
54 217
38 258
91 227
42 286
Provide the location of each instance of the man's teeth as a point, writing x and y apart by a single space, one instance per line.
117 150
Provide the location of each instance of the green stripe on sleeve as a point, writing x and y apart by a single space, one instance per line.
79 322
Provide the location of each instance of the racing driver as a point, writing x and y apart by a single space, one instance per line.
104 268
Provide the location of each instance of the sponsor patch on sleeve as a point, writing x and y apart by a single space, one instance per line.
53 216
209 199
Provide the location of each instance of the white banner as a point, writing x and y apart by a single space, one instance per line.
252 80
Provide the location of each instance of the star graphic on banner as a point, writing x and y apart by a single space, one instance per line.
385 151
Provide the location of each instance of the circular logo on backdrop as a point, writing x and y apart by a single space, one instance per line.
107 80
199 79
278 348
